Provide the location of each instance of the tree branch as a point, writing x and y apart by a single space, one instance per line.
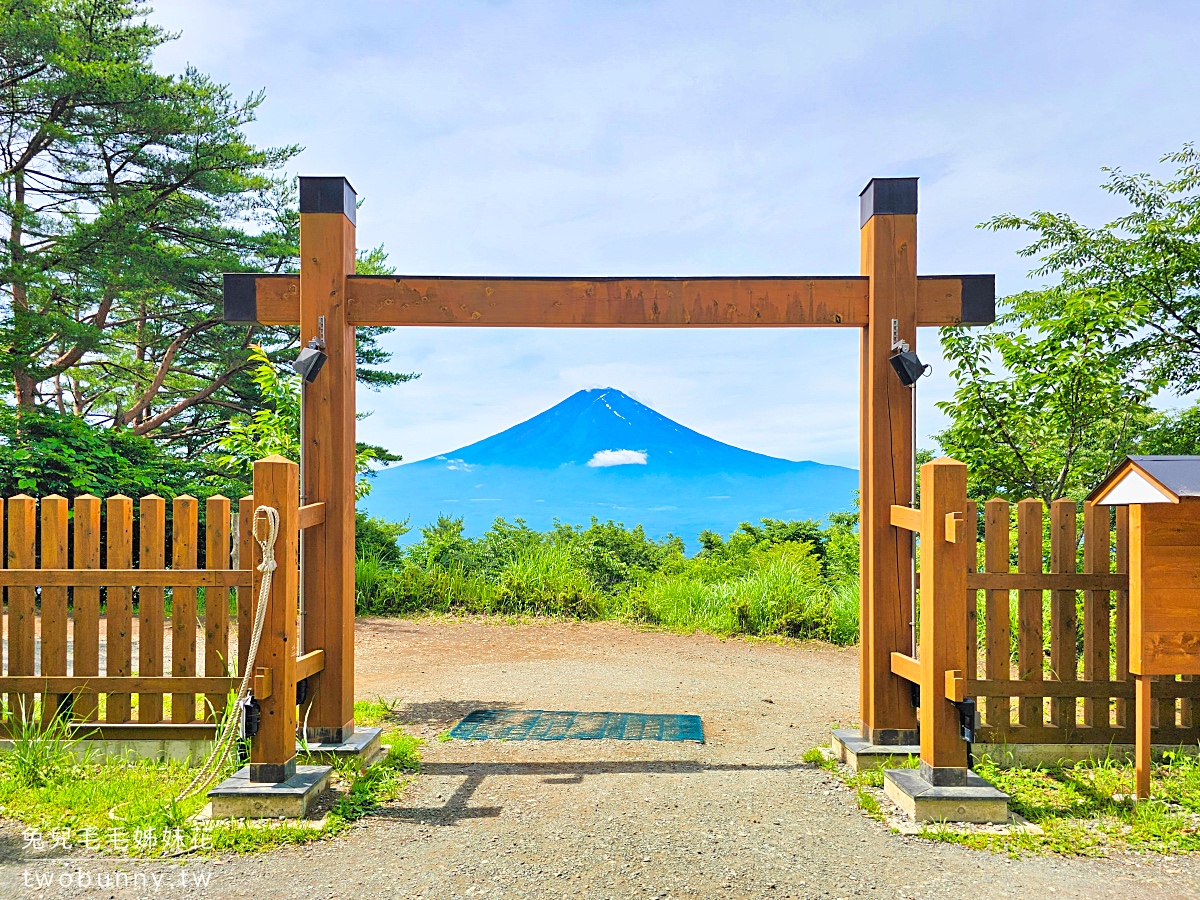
164 369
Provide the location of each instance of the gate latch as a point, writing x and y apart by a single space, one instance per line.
968 719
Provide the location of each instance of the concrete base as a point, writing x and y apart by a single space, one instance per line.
977 801
850 747
861 755
365 745
188 752
237 797
329 735
1030 755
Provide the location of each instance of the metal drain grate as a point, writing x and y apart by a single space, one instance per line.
543 725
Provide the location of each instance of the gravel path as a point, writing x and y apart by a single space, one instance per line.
739 816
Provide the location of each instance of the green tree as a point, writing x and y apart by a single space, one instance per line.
1172 433
1057 391
124 194
1144 264
1045 404
43 451
274 427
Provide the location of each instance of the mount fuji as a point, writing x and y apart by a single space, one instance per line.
601 453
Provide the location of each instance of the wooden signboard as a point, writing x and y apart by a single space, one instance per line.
1164 588
1163 496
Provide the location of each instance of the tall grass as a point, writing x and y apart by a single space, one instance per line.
796 579
41 755
547 579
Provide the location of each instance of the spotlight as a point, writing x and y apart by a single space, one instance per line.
908 367
308 364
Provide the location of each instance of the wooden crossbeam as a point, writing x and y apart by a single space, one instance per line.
310 664
906 667
311 514
1096 689
107 731
1044 581
118 684
94 578
906 517
610 302
956 685
264 682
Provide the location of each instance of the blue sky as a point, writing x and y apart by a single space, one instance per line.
690 138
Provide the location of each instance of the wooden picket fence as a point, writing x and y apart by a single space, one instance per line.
1056 679
1038 674
66 563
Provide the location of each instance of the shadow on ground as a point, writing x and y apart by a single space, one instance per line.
456 807
442 714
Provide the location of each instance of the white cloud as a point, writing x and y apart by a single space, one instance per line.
605 458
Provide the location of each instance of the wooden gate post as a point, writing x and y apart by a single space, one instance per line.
944 543
273 749
327 235
888 221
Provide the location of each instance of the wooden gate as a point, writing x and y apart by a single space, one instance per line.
1052 670
1043 667
104 575
87 583
887 301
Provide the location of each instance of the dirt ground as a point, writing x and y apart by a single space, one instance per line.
739 816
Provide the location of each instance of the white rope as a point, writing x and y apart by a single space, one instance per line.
220 751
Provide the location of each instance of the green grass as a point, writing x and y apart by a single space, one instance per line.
373 713
1083 809
864 783
381 783
127 806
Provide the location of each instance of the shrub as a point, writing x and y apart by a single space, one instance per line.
786 578
376 537
548 580
46 452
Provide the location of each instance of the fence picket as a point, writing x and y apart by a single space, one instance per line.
216 601
1064 625
245 595
1029 608
1095 612
45 601
119 606
22 552
998 636
972 519
152 540
54 599
85 648
1121 613
184 525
